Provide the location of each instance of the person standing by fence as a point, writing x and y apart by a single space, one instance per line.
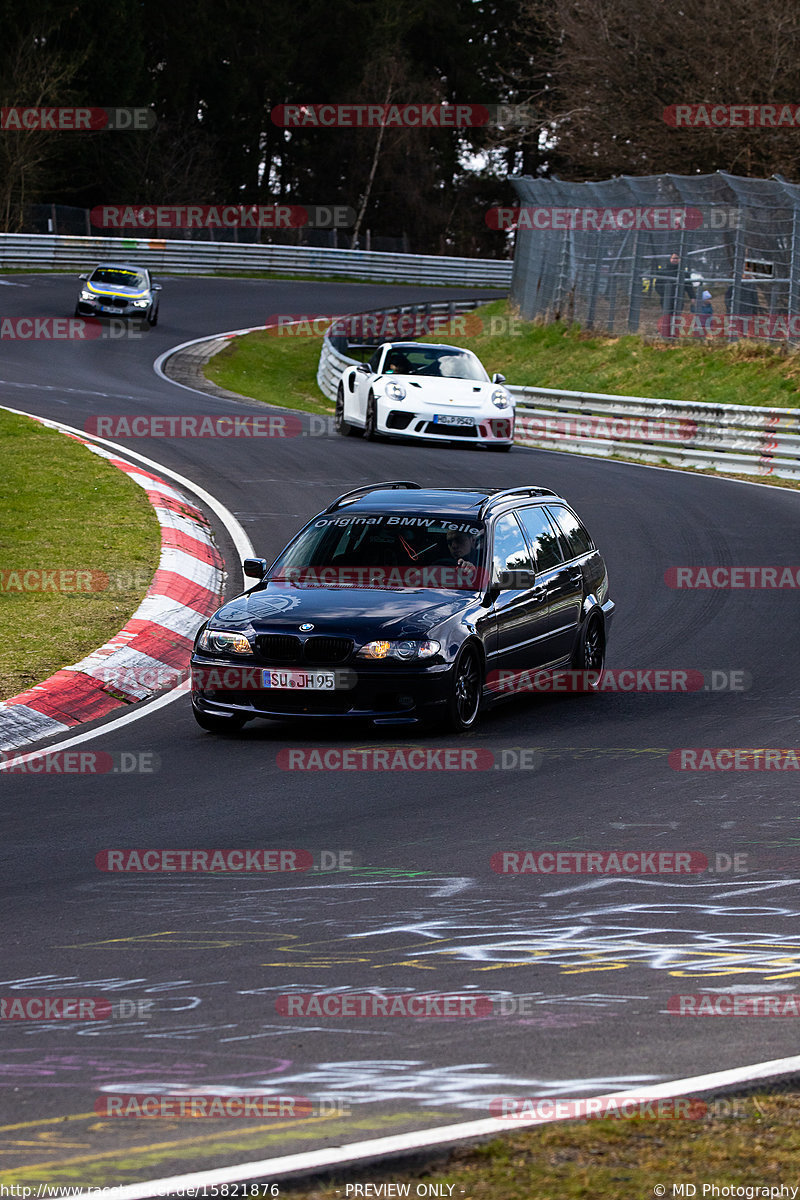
672 285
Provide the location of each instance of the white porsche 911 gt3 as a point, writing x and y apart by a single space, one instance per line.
428 392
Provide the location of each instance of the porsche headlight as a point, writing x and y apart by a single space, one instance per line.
395 391
500 398
406 650
222 640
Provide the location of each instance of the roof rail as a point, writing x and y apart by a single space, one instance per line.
390 485
508 492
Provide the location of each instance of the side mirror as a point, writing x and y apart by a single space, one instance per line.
255 568
86 276
155 287
497 378
364 367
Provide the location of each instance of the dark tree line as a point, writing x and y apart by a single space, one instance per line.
596 74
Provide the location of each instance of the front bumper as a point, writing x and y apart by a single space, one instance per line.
482 430
385 696
112 306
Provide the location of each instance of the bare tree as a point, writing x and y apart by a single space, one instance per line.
618 64
34 75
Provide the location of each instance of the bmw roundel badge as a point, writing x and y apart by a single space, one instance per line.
305 627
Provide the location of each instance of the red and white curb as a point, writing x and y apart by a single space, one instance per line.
152 651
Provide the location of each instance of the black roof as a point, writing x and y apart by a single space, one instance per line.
409 497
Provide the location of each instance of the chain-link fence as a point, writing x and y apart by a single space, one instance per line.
663 256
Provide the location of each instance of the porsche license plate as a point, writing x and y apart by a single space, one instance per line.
302 681
446 419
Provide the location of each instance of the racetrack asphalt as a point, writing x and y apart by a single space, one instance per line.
598 957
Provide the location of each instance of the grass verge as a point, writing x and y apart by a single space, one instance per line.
65 509
281 370
744 1141
278 370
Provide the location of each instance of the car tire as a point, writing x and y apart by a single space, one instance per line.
340 425
216 724
370 424
463 704
77 312
502 448
590 651
152 319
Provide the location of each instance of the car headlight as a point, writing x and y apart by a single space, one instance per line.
86 295
212 640
140 303
408 649
500 398
395 391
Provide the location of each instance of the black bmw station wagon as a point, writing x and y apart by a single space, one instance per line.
400 604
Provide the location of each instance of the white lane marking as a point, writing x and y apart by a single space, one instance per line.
126 719
271 1168
244 548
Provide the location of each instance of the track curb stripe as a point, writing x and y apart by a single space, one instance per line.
187 587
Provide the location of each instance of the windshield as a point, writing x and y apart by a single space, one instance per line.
386 551
434 361
117 278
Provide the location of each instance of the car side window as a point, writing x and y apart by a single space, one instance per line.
542 537
373 362
577 537
510 552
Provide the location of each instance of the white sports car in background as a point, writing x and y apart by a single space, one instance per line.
420 390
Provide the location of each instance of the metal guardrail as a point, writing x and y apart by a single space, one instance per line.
175 257
333 361
734 437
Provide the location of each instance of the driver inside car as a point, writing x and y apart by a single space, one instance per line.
397 364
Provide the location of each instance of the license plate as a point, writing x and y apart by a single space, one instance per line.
108 308
302 681
446 419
